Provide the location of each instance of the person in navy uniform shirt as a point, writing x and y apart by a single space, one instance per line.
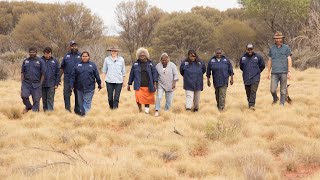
145 77
192 70
84 76
51 79
70 60
32 76
220 67
252 65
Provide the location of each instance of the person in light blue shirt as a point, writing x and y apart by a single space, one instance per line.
279 66
114 70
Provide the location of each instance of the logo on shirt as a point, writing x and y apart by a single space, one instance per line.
151 64
78 57
38 62
90 65
244 58
213 60
224 60
53 62
79 65
256 58
26 61
135 64
68 56
199 63
186 63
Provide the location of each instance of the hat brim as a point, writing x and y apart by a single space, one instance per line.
277 37
118 50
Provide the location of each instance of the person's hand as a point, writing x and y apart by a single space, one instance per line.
155 86
289 75
173 85
128 88
231 81
209 83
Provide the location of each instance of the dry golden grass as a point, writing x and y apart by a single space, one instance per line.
271 143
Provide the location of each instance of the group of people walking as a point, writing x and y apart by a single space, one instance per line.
41 76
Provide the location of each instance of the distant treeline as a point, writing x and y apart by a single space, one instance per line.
25 24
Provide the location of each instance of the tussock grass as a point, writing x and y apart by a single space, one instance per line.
125 144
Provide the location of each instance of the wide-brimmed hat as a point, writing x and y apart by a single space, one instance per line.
278 35
113 48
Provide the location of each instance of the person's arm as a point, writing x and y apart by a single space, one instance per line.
208 74
175 75
269 64
104 71
289 66
203 67
73 78
22 71
123 70
269 67
182 68
241 64
61 70
261 64
57 74
131 78
97 76
231 73
155 76
43 71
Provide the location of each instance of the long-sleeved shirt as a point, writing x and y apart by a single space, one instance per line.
192 73
84 76
220 69
69 62
51 77
115 69
167 75
135 75
252 66
32 70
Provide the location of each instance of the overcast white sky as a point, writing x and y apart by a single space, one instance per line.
105 8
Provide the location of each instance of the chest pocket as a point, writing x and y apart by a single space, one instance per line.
136 69
36 67
51 67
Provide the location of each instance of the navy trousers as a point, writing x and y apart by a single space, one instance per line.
33 90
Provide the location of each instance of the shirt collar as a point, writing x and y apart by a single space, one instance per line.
51 58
